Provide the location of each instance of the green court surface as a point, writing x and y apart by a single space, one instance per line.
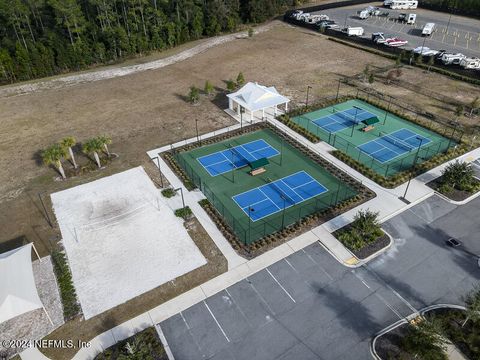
392 145
227 190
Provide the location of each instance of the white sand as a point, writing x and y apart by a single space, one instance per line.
121 239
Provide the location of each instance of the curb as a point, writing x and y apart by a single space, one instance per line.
454 202
405 321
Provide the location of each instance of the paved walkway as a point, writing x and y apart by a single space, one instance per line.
387 203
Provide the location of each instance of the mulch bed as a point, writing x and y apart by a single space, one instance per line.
387 346
455 195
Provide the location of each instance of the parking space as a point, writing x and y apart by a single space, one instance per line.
454 34
308 306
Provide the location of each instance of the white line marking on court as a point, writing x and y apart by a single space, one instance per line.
268 197
216 321
281 286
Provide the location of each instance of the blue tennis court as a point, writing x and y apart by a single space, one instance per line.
343 119
237 157
390 146
277 195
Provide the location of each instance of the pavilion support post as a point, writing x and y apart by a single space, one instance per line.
36 252
238 108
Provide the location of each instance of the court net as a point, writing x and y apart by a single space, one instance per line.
282 193
399 143
353 119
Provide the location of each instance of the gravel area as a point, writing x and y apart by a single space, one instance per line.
35 325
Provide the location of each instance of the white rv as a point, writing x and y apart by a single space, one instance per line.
452 59
428 29
354 31
470 63
401 4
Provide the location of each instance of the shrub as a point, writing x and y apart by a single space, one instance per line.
231 86
458 175
193 95
183 212
168 193
251 32
208 88
364 230
240 79
65 284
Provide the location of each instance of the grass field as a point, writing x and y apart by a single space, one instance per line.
352 140
221 189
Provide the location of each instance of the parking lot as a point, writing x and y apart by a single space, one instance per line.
308 306
454 34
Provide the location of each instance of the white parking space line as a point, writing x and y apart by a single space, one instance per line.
238 307
184 320
318 264
216 321
281 286
261 297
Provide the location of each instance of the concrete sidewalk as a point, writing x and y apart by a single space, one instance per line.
387 203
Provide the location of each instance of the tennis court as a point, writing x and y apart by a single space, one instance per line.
377 138
237 157
340 120
281 194
393 145
292 181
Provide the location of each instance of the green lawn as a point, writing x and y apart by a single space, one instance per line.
347 140
220 189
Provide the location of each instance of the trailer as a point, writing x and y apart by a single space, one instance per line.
452 59
401 4
470 63
369 11
428 29
354 31
408 19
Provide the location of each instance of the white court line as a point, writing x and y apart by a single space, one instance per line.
281 286
216 321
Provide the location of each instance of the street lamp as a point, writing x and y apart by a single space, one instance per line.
250 210
283 212
354 121
404 197
196 129
308 90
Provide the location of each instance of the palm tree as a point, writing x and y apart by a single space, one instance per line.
105 140
67 143
458 175
53 156
93 146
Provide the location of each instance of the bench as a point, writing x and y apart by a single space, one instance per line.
368 128
258 171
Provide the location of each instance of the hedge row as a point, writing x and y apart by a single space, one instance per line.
71 308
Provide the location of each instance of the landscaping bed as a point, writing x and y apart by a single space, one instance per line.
144 345
454 194
369 248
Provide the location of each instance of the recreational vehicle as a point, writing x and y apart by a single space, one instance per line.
428 29
452 59
401 4
470 63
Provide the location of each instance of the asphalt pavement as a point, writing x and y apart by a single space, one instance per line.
308 306
453 33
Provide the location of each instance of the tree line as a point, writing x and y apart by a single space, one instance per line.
462 7
45 37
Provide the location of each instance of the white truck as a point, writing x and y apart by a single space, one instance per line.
428 29
354 31
401 4
470 63
408 19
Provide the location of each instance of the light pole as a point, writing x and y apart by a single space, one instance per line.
283 212
338 90
233 163
250 210
354 121
159 171
308 90
183 201
196 129
404 197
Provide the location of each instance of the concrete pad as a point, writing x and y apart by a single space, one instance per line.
270 257
303 240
